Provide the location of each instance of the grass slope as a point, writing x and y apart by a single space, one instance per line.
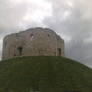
44 74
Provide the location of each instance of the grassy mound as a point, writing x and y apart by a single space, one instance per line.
44 74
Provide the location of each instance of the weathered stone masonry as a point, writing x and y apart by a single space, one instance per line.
33 42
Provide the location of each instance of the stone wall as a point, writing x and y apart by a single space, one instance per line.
33 42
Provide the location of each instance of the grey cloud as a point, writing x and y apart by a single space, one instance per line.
77 27
71 19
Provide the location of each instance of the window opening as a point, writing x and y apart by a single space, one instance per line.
20 50
48 35
59 51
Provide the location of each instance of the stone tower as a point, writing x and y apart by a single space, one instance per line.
33 42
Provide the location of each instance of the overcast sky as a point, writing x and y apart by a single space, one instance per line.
71 19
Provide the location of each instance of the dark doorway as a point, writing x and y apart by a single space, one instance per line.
20 50
59 51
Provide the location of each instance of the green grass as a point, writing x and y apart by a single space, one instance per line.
44 74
